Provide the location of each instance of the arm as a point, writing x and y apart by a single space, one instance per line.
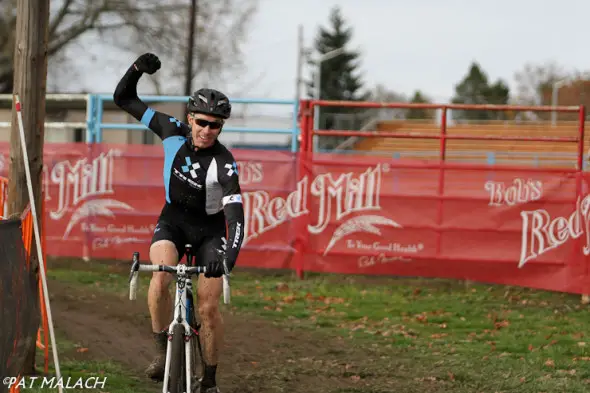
233 210
126 98
126 94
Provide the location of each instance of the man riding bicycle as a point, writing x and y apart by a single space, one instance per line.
203 195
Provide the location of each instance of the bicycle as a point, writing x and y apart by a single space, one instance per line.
181 359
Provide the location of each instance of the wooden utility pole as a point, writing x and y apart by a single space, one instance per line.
30 81
190 50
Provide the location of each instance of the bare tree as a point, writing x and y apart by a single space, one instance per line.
534 81
137 26
535 87
384 94
381 93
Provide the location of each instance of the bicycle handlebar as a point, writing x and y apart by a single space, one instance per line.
178 269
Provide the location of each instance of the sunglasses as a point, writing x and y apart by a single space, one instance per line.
214 125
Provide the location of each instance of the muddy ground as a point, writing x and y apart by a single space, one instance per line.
258 356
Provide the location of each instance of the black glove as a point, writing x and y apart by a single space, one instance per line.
217 267
148 63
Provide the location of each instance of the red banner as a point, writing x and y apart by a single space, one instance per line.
339 213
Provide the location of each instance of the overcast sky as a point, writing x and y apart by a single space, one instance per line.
405 45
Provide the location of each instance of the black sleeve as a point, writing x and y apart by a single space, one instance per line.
232 207
126 98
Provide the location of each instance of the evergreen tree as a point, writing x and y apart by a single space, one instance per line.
420 113
339 78
475 89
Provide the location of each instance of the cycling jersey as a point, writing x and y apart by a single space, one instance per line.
202 186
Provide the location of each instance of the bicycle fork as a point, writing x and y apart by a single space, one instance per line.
180 318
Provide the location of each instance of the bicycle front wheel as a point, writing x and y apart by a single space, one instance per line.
177 382
196 350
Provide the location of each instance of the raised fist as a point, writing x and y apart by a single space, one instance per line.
148 63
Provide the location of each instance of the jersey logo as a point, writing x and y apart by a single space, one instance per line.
173 120
232 168
190 167
237 238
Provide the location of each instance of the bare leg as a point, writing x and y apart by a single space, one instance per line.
209 293
162 252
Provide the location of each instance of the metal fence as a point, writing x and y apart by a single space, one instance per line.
96 126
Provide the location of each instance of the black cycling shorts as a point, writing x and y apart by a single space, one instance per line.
204 238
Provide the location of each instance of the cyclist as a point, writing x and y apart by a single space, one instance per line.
203 195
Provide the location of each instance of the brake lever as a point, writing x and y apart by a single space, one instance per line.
134 266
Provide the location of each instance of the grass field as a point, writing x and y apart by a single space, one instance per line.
405 335
105 376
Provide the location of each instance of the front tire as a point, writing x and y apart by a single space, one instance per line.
196 351
176 380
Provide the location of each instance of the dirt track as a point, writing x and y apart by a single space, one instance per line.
258 357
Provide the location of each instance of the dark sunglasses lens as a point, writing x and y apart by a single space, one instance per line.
212 124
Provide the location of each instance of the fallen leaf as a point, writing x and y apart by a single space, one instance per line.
553 342
569 372
334 300
422 318
289 299
501 324
549 363
82 350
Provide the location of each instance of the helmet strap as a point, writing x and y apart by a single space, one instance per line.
190 141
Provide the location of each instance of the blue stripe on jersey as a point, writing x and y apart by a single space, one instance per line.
171 146
147 117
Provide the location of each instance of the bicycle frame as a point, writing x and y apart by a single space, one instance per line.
183 285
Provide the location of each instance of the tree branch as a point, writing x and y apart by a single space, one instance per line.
145 24
57 21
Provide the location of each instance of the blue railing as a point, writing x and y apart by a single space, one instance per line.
95 110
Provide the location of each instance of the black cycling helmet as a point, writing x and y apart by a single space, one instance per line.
210 102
